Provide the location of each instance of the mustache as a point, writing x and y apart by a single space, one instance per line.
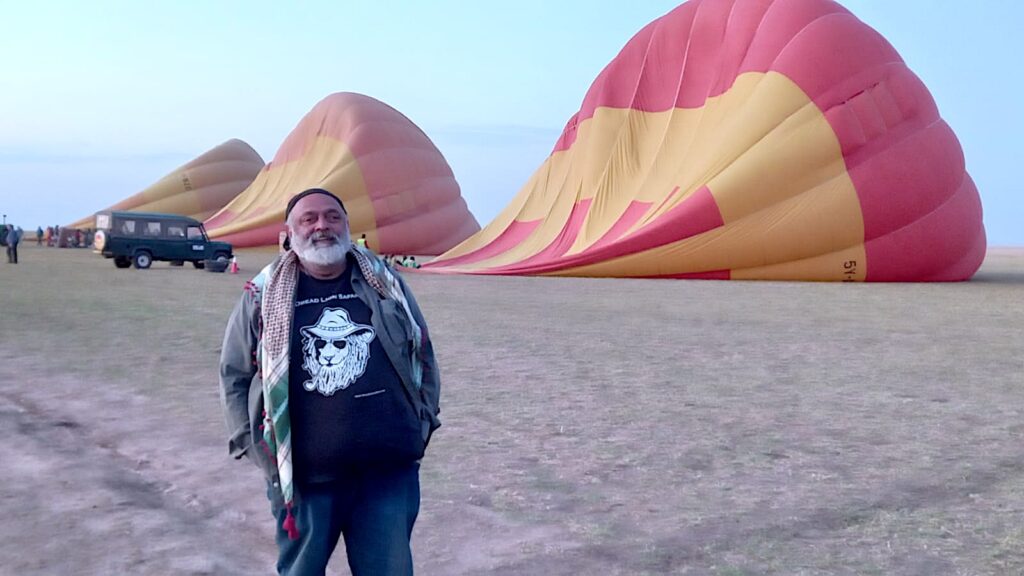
324 236
321 236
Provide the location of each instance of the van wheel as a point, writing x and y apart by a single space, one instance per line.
220 257
177 262
143 260
199 264
122 262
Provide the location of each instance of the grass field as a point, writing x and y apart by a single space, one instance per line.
591 426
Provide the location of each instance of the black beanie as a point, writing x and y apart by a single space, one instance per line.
301 195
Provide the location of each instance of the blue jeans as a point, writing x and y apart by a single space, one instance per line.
374 509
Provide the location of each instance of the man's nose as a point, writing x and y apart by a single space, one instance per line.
321 222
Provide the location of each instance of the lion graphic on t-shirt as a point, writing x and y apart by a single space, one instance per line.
335 351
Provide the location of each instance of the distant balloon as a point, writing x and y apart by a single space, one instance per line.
397 187
199 188
746 139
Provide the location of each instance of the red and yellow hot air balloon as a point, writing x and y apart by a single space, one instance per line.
397 187
199 188
746 139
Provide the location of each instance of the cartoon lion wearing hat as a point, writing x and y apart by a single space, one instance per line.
335 351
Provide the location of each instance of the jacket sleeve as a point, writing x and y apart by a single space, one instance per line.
237 369
431 389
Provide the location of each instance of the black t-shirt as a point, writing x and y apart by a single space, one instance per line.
348 405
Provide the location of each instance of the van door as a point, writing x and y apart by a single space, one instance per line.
178 246
196 243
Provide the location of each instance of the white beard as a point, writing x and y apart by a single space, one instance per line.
328 255
330 379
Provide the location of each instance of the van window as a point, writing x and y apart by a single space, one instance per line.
175 230
152 229
194 232
103 221
128 227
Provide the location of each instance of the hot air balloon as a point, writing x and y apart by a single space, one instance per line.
397 187
746 139
199 188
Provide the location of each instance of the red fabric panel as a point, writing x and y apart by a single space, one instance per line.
631 215
561 244
510 238
695 215
935 247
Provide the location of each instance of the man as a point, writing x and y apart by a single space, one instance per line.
13 237
330 385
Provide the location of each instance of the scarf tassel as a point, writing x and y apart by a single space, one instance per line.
289 524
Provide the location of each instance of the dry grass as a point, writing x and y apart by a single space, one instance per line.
590 426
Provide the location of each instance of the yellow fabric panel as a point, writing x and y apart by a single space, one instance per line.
627 170
800 154
825 219
180 203
731 143
848 265
548 189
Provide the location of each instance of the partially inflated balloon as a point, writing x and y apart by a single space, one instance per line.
746 139
397 187
197 189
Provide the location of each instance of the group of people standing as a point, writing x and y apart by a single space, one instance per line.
62 238
404 261
11 236
395 260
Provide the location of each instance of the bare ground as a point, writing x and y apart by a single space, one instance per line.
590 426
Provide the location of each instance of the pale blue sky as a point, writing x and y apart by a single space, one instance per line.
101 99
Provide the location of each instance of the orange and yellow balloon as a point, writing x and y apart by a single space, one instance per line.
397 187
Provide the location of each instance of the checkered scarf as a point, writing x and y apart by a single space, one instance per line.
276 310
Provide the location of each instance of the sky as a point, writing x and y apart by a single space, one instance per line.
101 99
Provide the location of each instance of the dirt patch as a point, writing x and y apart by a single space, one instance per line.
75 504
590 426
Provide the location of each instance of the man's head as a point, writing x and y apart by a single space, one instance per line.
318 227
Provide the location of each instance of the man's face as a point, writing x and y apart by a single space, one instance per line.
319 230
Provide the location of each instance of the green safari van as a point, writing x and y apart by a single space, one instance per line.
139 238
